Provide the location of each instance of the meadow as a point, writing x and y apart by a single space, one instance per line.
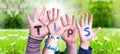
14 41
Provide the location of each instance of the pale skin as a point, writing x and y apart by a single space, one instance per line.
85 40
55 18
71 39
46 22
38 21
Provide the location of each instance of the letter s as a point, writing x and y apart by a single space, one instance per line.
86 30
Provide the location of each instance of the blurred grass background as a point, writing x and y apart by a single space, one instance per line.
14 27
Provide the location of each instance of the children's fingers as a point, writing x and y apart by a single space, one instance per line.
48 15
78 26
58 13
28 18
53 13
82 20
62 20
91 20
68 19
42 12
46 20
73 20
76 23
35 14
97 30
86 19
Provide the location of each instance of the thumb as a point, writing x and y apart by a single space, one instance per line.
75 35
62 29
94 33
97 30
64 37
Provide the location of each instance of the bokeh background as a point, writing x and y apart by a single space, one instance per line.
14 26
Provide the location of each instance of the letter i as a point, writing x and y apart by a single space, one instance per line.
54 26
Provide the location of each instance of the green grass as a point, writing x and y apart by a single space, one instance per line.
14 41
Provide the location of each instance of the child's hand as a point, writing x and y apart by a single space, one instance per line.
38 27
70 35
55 25
85 31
